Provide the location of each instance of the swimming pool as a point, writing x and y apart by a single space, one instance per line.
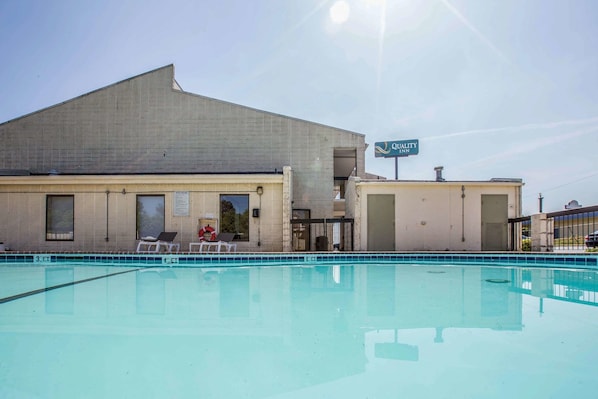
315 327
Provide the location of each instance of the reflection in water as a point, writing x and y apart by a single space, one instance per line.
150 289
267 332
381 286
234 293
396 351
60 301
494 295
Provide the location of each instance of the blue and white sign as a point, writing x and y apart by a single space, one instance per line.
402 148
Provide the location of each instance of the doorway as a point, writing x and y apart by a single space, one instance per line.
301 231
381 222
494 222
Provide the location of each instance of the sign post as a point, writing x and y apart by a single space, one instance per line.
396 150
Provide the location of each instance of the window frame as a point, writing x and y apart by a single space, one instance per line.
138 232
243 217
55 235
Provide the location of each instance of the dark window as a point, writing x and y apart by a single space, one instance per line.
60 217
150 215
234 215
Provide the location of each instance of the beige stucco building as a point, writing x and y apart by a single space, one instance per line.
105 212
110 155
432 215
100 171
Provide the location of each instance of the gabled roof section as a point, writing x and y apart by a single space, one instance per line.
275 114
175 86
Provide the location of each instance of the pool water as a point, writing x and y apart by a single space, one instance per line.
346 331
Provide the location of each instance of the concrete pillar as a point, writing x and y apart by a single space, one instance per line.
353 208
542 233
287 208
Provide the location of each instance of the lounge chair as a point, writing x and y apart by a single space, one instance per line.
222 240
164 240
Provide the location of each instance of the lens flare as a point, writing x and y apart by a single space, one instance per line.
339 12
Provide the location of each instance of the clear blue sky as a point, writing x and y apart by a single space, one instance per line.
491 88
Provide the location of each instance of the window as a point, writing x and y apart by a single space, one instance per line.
150 215
234 215
60 217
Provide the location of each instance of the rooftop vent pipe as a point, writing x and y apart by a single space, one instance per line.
438 170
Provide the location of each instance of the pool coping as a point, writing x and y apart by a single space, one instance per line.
183 259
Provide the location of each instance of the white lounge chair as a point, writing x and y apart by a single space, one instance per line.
155 244
222 240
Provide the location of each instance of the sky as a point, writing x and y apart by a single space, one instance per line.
490 88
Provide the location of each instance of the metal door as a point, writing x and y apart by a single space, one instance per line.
381 222
494 222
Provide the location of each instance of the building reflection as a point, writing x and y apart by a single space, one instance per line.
60 301
381 297
265 322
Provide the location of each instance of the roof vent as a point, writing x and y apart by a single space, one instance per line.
438 170
573 204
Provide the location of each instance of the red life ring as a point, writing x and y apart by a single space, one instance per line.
207 229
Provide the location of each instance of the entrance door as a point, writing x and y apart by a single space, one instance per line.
381 222
494 222
301 233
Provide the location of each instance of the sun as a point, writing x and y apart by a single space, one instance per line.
339 12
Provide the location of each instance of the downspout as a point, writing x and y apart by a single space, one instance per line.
260 191
107 202
462 213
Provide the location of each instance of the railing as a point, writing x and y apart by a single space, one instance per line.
576 286
519 233
571 226
563 285
323 234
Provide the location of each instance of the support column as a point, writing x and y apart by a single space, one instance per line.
287 208
353 209
542 232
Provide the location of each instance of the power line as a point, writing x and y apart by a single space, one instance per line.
566 184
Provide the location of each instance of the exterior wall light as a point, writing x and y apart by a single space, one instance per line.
259 190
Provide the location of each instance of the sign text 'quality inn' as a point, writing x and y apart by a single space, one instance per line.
402 148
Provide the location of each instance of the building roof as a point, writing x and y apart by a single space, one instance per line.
148 124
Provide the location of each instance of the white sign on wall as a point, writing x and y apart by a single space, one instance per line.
181 203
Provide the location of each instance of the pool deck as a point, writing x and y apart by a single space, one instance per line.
185 259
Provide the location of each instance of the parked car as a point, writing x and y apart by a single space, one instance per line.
592 239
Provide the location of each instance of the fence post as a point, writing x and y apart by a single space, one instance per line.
542 233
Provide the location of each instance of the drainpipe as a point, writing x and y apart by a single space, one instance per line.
107 196
462 213
260 192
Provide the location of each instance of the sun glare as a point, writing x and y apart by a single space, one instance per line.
339 12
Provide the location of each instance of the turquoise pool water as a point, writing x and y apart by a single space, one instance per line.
349 330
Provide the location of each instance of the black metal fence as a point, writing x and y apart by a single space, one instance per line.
570 227
564 285
323 234
519 233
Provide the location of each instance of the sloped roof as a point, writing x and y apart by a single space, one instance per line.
148 124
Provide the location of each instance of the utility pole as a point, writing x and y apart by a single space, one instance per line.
540 200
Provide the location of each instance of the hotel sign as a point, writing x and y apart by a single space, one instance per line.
402 148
